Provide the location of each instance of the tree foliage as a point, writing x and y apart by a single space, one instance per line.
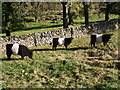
109 6
15 14
12 16
37 10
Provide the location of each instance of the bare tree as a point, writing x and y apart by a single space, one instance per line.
65 24
86 14
108 8
70 14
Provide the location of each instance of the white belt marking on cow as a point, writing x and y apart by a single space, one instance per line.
61 41
98 38
15 48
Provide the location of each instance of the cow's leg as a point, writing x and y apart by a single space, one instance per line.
66 47
8 51
93 43
22 57
104 43
53 47
8 55
93 40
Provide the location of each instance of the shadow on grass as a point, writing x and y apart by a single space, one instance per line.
59 25
92 22
40 27
69 49
12 59
44 26
52 26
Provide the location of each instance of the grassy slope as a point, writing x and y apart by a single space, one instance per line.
43 26
79 66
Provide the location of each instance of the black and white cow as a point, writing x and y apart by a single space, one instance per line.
100 38
61 41
17 49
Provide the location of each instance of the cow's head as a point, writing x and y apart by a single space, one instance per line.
110 35
71 39
31 54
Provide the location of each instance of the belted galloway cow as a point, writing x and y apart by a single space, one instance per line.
17 49
100 38
61 41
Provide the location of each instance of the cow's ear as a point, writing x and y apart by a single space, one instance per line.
111 34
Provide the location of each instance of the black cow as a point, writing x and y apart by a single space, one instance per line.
61 41
100 38
17 49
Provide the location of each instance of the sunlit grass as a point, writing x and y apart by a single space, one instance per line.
34 27
72 68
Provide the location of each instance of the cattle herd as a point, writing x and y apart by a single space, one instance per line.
17 49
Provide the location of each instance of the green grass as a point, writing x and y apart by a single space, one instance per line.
78 67
33 27
95 17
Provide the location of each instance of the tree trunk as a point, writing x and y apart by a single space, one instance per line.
69 15
65 25
107 12
36 12
86 14
108 8
8 33
8 4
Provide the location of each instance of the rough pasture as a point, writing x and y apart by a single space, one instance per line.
78 67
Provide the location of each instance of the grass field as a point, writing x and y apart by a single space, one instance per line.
78 67
46 25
